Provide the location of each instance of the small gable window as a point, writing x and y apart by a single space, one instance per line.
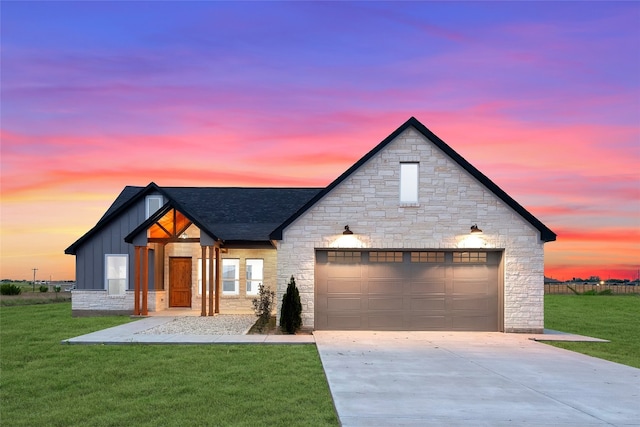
153 203
409 182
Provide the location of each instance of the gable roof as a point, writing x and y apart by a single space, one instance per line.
545 233
226 213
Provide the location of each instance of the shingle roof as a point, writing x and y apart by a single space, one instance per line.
545 233
240 214
228 213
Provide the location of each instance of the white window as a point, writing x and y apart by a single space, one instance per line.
153 203
230 276
116 268
254 275
408 182
200 275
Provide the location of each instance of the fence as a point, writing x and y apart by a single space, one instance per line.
563 288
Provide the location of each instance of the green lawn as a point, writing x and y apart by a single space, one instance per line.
614 318
44 382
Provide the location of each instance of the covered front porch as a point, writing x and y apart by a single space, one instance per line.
154 243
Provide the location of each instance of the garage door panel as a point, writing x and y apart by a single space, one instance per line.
423 304
428 323
387 287
345 286
338 322
466 322
388 321
428 287
471 303
419 293
339 304
386 303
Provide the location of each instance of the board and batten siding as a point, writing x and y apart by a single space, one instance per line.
450 200
108 240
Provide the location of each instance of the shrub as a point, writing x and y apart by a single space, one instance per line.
263 305
291 313
57 288
605 292
10 289
44 288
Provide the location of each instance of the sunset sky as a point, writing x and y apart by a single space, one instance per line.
543 98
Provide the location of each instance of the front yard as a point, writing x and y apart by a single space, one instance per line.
46 383
612 317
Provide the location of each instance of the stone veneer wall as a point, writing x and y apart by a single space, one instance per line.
93 303
450 201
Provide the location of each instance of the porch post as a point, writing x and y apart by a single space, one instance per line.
136 281
211 290
145 280
218 270
204 282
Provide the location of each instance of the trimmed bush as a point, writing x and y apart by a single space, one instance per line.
263 305
44 288
291 313
10 289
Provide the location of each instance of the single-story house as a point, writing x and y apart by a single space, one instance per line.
411 237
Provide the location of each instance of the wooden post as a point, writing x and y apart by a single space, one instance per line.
145 280
203 300
218 270
136 281
211 290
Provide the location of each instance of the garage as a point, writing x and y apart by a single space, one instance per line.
408 290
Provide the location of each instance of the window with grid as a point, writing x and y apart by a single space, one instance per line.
470 257
254 271
230 276
344 256
116 277
430 257
385 256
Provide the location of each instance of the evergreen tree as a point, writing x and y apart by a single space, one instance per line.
291 313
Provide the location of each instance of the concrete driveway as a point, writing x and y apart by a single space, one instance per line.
472 379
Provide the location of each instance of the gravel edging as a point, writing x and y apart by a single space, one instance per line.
223 324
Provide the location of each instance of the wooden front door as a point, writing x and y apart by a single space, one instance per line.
179 282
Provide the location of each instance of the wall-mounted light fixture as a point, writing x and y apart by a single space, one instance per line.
346 231
184 236
475 229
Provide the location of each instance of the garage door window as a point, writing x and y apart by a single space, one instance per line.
385 256
470 257
345 257
430 257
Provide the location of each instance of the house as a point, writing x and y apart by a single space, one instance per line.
411 237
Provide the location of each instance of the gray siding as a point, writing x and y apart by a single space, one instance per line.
109 240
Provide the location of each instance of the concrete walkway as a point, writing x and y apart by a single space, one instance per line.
472 379
129 333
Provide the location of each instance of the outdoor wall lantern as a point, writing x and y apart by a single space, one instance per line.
475 229
346 231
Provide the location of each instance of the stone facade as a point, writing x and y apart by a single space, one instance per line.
450 201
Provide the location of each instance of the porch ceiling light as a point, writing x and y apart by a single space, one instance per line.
346 231
184 236
475 229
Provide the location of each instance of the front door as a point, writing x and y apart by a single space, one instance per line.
179 282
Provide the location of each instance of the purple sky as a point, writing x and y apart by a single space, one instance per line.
542 97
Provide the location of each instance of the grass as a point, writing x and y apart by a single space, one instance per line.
615 318
47 383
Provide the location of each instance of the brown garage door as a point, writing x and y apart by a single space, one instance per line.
407 290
